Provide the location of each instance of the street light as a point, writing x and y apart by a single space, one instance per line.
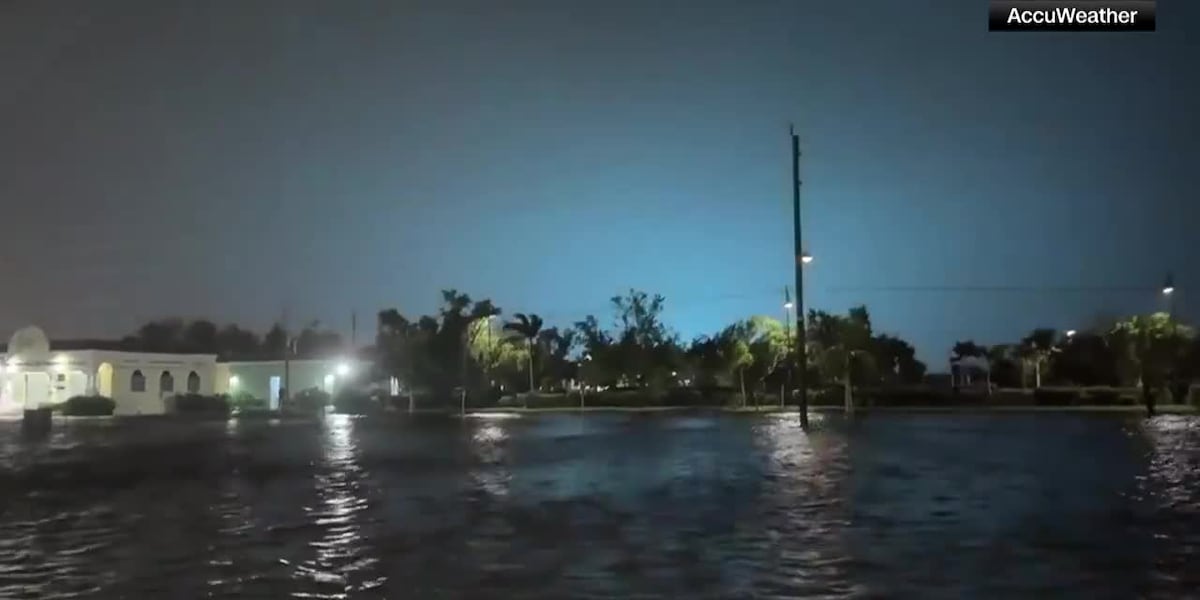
806 258
1070 333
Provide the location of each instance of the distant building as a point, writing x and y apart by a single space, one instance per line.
34 373
265 379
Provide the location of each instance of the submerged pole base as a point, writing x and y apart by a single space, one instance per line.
37 421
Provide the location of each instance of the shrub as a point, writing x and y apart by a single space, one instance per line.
1047 397
355 403
245 401
1181 392
679 396
1105 398
201 405
914 397
308 401
827 396
88 406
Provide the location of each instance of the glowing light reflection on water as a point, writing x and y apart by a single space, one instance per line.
685 505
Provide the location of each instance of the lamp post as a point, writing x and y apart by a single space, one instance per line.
587 357
1168 292
788 305
788 315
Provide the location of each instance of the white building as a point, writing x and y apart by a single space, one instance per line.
265 379
33 375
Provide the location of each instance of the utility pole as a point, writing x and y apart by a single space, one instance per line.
354 330
287 365
787 329
798 256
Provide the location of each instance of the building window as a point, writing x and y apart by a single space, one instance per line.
166 383
61 377
137 382
193 383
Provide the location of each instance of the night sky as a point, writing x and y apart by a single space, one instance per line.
223 159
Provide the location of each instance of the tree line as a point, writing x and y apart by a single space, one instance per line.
230 341
470 344
1155 353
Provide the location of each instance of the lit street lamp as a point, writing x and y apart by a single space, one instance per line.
1168 290
1070 333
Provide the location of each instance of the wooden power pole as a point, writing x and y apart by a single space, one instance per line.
801 352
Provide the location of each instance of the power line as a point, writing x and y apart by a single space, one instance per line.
1142 289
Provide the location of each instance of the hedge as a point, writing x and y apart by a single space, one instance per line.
88 406
1048 397
356 403
199 404
245 401
308 401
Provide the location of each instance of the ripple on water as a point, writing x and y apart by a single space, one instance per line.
606 506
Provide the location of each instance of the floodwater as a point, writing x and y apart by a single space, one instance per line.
605 506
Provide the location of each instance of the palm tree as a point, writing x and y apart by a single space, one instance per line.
996 356
528 327
1037 347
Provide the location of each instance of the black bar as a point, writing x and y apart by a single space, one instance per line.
1065 15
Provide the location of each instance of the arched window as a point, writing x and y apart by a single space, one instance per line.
137 382
166 383
193 383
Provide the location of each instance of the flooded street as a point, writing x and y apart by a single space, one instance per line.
605 506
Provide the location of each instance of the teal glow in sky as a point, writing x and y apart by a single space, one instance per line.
226 159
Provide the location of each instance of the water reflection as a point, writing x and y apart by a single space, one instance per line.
341 550
697 505
488 437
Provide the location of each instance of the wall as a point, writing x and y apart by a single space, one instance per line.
152 399
254 378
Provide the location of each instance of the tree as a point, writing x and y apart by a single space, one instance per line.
599 366
163 335
640 336
1088 359
397 346
200 337
316 342
1157 345
842 347
733 347
276 341
999 358
528 327
1036 348
556 347
961 352
896 360
500 355
233 341
707 364
759 347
